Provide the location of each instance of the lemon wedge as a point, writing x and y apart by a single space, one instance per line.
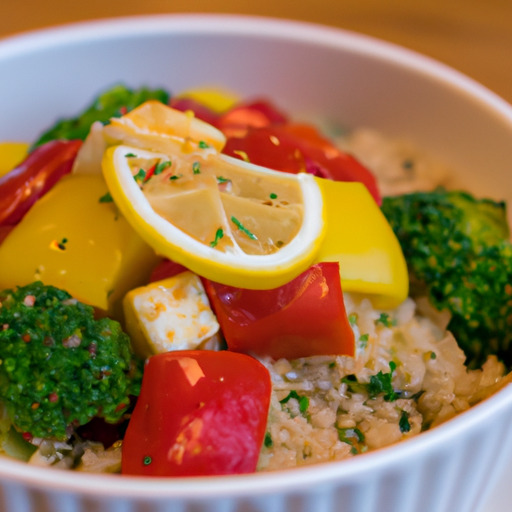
225 219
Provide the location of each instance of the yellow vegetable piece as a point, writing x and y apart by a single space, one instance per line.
218 100
172 314
225 219
11 154
71 240
360 238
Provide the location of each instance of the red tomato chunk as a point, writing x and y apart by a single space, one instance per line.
303 318
199 413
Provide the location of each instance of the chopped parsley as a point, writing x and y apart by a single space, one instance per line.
196 168
203 145
175 177
221 179
147 460
243 229
352 436
218 235
302 399
385 320
352 319
273 196
403 423
363 340
106 198
381 384
268 442
130 155
161 166
140 176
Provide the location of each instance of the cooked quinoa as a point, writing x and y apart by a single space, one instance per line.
408 376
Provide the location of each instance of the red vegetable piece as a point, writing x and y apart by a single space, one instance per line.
24 185
256 114
166 269
199 413
300 148
200 111
305 317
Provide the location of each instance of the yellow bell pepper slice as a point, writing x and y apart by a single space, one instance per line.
218 100
11 154
73 240
361 239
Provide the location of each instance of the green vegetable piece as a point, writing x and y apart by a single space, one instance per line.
114 102
459 254
59 366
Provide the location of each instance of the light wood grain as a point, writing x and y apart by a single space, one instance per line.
472 36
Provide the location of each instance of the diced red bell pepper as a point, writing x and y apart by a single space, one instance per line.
24 185
305 317
297 148
256 114
165 269
199 413
200 111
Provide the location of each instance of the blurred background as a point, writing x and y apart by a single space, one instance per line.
473 36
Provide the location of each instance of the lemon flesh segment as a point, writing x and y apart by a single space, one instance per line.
225 219
158 127
360 238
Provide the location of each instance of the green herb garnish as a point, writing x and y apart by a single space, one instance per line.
381 384
196 168
140 176
403 423
384 319
218 235
203 145
106 198
352 436
243 229
161 166
302 399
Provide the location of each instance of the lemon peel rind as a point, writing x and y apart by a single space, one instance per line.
237 268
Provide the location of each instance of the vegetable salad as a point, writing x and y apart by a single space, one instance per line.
113 353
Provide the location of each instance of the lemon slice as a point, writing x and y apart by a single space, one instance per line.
225 219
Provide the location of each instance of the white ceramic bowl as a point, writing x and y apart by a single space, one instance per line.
309 70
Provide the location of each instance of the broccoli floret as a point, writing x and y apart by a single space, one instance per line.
458 251
59 366
114 102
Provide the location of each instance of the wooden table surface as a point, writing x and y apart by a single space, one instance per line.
473 36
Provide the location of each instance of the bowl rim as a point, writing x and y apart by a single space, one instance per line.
204 488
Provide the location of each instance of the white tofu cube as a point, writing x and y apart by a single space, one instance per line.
172 314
